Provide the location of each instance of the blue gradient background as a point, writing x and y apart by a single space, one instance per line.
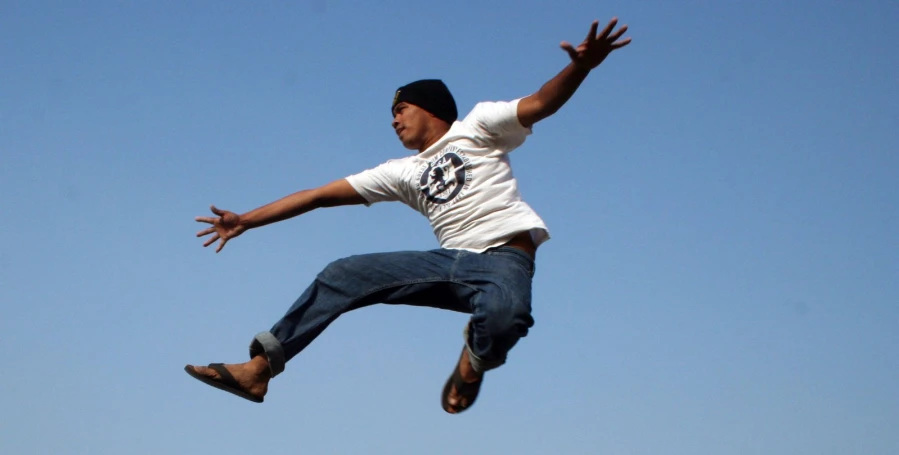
723 276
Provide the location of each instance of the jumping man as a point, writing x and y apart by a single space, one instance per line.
461 179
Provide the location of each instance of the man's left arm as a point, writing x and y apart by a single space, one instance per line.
584 58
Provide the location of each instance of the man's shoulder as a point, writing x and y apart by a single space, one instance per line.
399 164
488 110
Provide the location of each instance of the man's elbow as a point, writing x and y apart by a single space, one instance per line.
336 193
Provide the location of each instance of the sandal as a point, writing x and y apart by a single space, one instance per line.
467 391
225 381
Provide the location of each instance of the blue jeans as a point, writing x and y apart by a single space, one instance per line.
493 286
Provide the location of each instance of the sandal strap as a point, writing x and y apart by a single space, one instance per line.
227 377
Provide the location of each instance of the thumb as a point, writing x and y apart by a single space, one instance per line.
567 47
216 210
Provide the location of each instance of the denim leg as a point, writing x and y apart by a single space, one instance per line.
415 278
501 308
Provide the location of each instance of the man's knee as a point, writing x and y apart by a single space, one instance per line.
498 329
509 322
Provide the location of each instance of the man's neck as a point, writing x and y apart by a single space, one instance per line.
436 134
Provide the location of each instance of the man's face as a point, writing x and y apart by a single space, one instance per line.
411 124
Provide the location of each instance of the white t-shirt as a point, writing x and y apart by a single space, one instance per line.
463 183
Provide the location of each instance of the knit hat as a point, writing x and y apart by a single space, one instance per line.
431 95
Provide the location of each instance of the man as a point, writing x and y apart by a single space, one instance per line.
462 181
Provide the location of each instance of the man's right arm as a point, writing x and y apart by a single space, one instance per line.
336 193
227 225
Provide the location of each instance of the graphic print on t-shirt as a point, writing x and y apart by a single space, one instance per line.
446 176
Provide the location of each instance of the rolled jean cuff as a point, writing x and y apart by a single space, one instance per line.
478 364
266 344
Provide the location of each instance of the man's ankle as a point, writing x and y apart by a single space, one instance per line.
260 365
466 369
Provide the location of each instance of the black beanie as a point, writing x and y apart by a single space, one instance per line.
431 95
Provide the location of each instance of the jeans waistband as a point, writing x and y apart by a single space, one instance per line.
510 249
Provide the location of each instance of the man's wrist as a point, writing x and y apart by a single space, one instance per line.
581 66
245 221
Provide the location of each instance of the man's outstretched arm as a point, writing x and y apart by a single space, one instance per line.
228 225
336 193
588 55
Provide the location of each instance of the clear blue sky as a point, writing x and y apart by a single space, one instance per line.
723 196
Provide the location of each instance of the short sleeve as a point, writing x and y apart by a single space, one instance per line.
379 184
496 122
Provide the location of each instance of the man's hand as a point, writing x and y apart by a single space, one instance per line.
225 227
595 48
556 92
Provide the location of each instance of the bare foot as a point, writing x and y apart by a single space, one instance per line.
252 376
458 402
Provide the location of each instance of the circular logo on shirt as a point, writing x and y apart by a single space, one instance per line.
444 178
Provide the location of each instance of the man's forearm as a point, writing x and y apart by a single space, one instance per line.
287 207
558 90
338 192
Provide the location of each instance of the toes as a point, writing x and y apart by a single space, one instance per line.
455 401
205 371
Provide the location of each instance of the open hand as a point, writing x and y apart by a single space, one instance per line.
595 48
225 227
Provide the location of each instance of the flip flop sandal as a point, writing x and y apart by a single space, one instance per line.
467 390
225 381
